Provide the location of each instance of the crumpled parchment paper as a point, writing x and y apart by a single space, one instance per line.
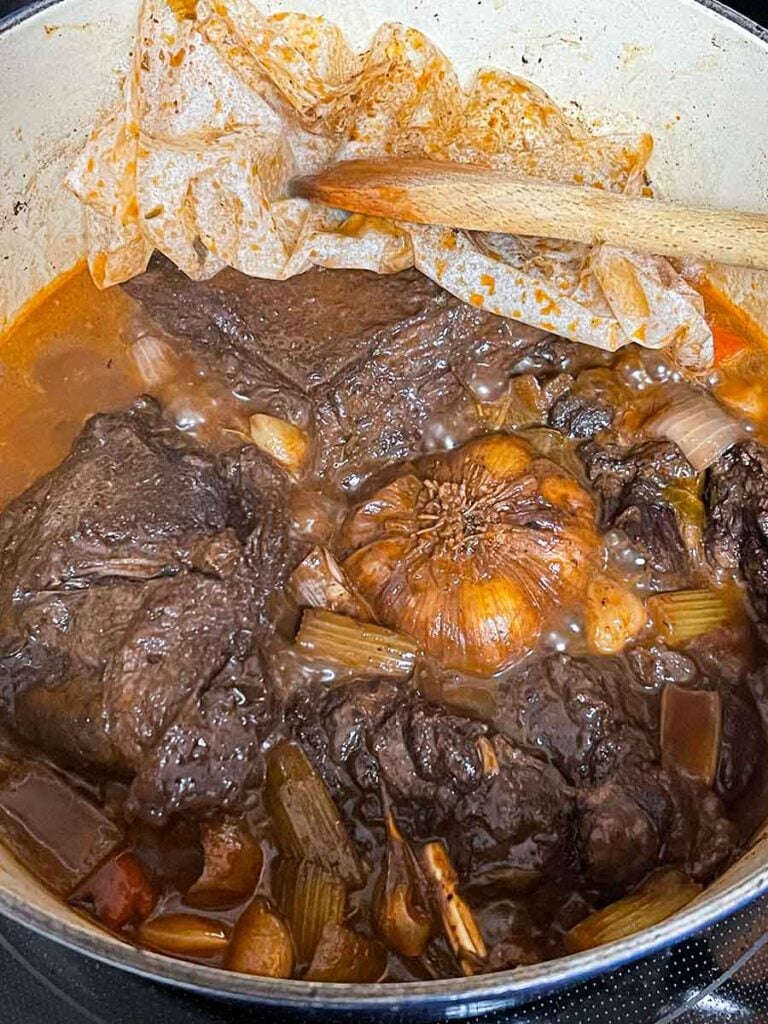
223 106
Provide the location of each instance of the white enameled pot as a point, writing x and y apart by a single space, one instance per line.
695 74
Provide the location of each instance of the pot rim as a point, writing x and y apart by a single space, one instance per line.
474 994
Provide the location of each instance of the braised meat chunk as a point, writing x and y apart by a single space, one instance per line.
633 490
372 359
135 579
503 811
388 639
587 716
736 496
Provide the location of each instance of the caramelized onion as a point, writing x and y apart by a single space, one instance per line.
691 727
343 955
261 943
700 428
660 895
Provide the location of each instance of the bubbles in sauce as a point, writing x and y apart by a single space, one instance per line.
488 378
626 560
566 635
450 428
83 351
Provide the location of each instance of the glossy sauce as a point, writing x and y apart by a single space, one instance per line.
68 358
75 354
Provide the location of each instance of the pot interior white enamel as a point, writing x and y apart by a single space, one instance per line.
695 75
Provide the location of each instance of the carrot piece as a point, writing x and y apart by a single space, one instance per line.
120 892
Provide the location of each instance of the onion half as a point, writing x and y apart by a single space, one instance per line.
700 428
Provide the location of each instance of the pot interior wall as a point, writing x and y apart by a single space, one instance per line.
671 66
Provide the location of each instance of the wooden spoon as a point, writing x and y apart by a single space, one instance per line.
478 199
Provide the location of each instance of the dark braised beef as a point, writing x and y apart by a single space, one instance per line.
147 648
630 485
596 719
370 358
505 813
736 495
135 577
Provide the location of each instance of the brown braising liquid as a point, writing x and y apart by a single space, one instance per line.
72 355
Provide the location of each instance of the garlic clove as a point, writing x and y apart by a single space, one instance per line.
614 615
284 442
502 455
469 551
390 510
497 620
372 568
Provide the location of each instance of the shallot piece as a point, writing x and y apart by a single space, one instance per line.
233 863
185 935
399 913
700 428
461 930
261 943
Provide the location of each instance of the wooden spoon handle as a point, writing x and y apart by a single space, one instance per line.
478 199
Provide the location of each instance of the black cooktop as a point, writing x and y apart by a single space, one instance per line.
720 976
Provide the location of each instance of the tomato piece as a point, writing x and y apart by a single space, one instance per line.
120 892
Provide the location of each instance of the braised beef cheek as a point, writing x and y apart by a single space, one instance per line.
157 671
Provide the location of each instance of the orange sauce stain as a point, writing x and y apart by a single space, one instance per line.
488 282
547 303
